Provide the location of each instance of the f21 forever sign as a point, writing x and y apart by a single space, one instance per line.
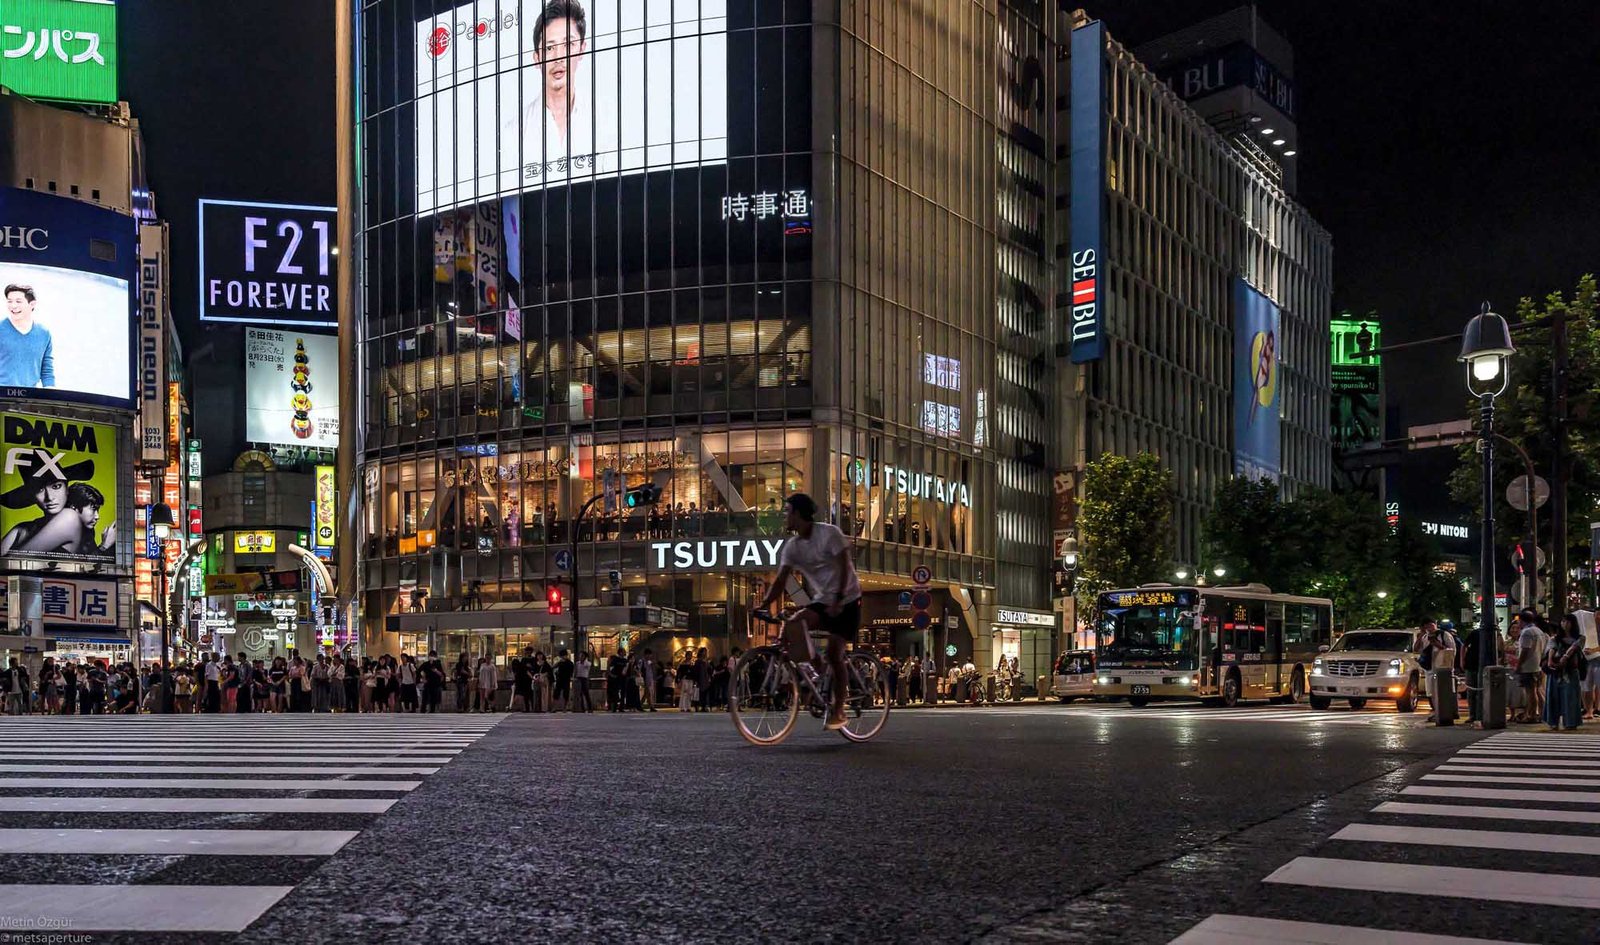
267 263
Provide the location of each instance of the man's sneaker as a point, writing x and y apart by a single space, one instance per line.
836 722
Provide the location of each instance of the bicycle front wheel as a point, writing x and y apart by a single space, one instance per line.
764 696
866 704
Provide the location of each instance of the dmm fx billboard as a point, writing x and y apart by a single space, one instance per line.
59 49
291 388
267 263
67 269
1087 326
58 488
1257 384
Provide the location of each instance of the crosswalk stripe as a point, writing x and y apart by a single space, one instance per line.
1477 839
1553 752
212 784
1492 794
1542 762
1489 813
174 842
1517 769
196 805
83 908
1442 774
1247 930
256 768
187 760
1455 881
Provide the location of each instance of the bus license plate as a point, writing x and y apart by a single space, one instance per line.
1139 690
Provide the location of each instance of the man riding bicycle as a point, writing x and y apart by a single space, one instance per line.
821 553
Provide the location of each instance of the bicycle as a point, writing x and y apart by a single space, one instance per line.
765 697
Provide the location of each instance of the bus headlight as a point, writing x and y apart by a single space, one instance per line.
1104 680
1185 680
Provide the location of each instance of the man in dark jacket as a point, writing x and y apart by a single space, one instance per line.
561 693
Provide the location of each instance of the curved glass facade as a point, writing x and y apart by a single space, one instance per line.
704 243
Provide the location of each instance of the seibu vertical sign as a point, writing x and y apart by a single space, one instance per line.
267 263
1087 328
150 383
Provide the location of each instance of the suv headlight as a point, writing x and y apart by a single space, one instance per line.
1316 665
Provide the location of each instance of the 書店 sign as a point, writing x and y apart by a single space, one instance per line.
254 543
711 554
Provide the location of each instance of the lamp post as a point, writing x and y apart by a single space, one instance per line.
180 572
1486 350
1069 565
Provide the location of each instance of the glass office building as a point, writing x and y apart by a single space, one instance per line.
718 245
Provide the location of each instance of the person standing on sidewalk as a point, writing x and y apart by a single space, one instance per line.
561 696
1530 656
647 665
462 677
581 668
1564 667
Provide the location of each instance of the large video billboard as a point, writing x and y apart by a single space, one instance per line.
59 49
517 95
1257 384
67 269
58 488
291 388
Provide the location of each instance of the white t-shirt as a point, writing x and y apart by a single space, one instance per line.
817 557
1533 640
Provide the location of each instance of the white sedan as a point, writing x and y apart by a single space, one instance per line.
1369 664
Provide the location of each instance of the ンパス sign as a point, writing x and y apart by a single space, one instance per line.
267 263
59 49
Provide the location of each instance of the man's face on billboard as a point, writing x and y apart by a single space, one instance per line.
559 54
89 515
17 303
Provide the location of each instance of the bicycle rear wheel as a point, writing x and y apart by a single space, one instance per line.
763 696
866 704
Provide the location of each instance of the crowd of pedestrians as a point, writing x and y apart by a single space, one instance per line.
1553 676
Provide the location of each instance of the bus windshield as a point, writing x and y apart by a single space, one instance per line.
1152 630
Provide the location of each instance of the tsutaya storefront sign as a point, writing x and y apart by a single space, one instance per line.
918 485
712 554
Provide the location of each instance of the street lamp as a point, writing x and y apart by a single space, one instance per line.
1182 573
1219 571
1383 595
161 520
1069 560
1486 350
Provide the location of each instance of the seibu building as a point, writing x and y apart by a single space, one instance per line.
728 247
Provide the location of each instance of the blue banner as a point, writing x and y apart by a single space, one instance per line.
1257 384
1087 326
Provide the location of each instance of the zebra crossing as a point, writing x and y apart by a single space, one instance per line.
261 798
1383 714
1499 844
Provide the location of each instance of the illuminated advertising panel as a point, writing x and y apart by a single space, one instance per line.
267 263
64 50
326 507
58 488
152 359
1357 376
516 95
254 543
67 269
1257 384
1088 192
291 388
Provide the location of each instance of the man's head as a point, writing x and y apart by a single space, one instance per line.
559 41
20 299
799 511
87 500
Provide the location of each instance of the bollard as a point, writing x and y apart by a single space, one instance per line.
1492 697
1443 697
1042 688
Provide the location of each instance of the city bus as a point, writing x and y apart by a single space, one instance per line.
1217 644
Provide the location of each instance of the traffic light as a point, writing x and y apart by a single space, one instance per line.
640 496
552 596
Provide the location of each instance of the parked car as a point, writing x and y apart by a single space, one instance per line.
1074 676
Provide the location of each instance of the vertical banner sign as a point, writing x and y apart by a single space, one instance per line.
1257 436
326 508
1088 192
150 382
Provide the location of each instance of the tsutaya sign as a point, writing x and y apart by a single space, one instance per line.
909 482
712 554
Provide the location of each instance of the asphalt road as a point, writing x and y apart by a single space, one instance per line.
1012 824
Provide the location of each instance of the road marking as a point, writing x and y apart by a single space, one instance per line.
1476 839
80 908
1582 892
1445 774
1491 794
324 768
1489 813
1236 929
214 749
1545 763
196 805
202 783
193 761
175 842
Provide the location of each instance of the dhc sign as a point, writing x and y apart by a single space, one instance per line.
1087 329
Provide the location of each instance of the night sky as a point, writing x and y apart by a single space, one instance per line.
1448 147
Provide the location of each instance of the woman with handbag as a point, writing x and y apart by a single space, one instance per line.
1564 666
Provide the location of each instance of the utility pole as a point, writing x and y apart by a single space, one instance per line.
1561 468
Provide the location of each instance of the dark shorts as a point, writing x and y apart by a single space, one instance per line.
1528 680
846 626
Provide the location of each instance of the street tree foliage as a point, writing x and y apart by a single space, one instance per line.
1523 414
1124 523
1324 544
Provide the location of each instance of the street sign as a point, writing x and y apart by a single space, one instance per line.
1517 492
1524 595
921 620
563 560
1519 559
921 600
905 600
921 574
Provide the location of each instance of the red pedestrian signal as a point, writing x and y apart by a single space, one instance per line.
553 598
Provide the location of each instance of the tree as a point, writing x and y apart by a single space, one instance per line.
1255 534
1125 522
1523 413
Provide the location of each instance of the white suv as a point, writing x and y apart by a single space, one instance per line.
1369 664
